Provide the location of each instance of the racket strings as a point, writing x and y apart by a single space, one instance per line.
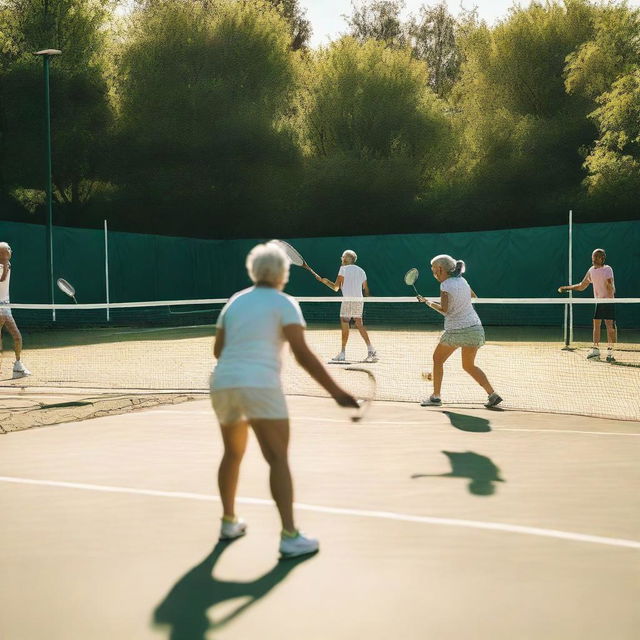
292 253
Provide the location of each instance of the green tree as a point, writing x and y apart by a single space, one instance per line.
606 69
614 161
203 91
612 51
433 37
520 132
300 27
373 134
377 20
81 111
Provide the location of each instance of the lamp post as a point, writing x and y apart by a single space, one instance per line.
46 55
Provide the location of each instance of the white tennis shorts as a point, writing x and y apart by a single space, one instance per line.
350 309
5 310
238 403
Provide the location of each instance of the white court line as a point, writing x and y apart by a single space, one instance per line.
359 513
411 422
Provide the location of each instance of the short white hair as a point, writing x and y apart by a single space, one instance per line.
4 247
452 266
268 263
350 254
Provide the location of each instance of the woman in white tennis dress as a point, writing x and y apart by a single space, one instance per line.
251 332
462 327
6 317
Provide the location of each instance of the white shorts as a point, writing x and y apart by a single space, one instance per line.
238 403
5 310
351 309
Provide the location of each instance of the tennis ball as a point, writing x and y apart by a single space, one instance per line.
426 375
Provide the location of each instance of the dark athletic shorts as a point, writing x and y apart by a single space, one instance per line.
606 311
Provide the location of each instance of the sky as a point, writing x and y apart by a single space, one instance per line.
327 21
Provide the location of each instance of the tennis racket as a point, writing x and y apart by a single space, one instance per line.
363 384
294 256
65 287
410 278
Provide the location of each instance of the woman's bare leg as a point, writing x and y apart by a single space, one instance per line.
273 437
440 355
234 437
469 365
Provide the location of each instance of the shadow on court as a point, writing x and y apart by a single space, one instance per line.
464 422
482 472
184 610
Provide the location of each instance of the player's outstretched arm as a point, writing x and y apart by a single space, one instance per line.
334 286
581 286
294 333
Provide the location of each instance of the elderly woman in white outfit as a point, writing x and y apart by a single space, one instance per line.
246 389
462 327
6 317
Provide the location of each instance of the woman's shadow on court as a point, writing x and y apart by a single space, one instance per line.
482 472
184 610
465 422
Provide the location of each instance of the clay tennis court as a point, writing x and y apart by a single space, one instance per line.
453 522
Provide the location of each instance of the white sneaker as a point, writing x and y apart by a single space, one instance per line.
340 357
431 401
593 353
610 357
19 370
298 546
231 530
372 356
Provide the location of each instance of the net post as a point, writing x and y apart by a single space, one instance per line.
570 276
568 308
106 267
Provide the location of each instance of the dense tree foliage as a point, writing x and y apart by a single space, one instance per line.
216 118
82 114
202 99
372 132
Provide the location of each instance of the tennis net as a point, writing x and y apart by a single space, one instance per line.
167 346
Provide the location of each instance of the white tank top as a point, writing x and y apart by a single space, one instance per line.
4 286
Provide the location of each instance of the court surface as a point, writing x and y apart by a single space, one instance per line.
433 523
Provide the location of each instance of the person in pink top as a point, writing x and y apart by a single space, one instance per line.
600 275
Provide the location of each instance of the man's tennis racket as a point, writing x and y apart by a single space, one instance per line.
363 384
410 278
65 287
294 256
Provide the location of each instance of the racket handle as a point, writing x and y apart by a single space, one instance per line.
308 268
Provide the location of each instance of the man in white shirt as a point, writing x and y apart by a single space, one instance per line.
6 317
353 282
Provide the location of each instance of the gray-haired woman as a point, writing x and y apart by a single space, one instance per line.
462 327
251 331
